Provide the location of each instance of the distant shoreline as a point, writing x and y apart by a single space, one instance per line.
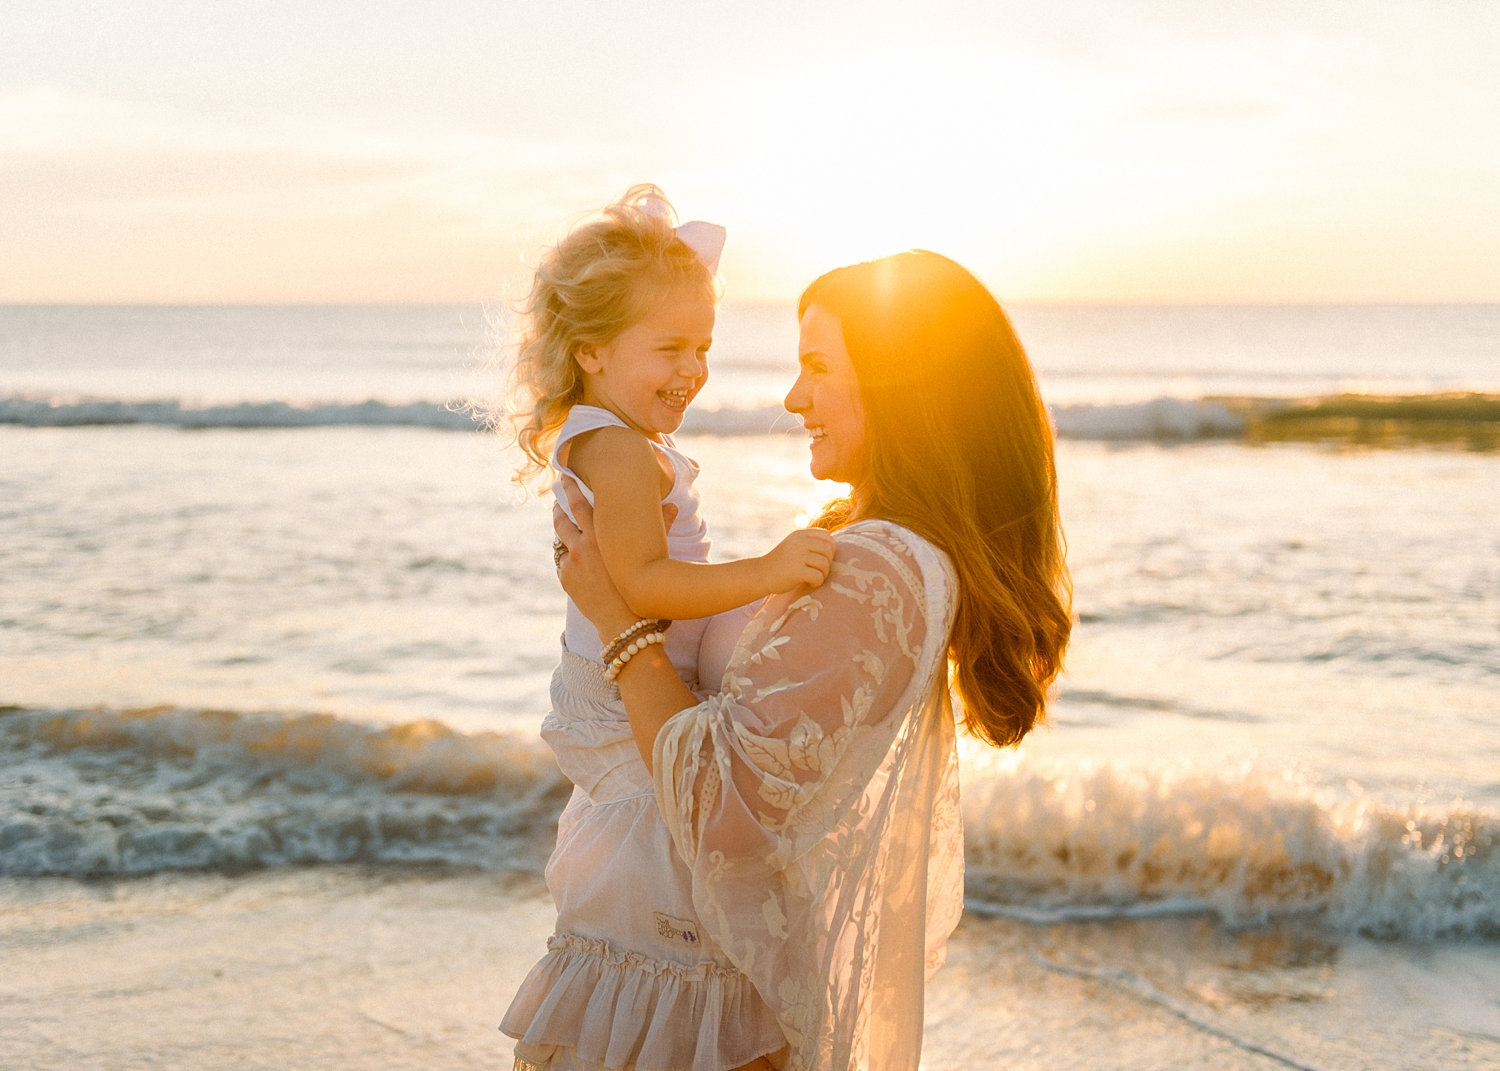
1458 418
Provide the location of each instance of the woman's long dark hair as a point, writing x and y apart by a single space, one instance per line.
961 453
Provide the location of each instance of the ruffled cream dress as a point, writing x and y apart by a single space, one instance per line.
630 978
790 879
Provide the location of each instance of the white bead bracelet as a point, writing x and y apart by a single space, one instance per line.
633 648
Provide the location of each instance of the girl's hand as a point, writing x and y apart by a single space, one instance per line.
804 557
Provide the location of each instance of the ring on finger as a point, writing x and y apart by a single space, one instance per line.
559 549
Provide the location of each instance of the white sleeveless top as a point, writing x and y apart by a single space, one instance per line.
687 540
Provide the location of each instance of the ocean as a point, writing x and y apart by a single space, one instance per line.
269 607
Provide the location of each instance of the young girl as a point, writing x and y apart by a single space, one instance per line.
613 349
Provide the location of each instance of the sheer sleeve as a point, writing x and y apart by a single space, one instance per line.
815 801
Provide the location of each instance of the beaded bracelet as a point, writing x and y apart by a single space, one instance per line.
633 648
640 628
616 645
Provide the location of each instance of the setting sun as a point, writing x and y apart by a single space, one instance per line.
865 154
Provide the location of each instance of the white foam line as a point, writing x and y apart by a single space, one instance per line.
1178 906
1466 1035
1138 987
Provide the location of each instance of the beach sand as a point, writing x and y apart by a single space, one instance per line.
391 968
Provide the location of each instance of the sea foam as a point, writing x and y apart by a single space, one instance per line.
1250 846
123 792
136 791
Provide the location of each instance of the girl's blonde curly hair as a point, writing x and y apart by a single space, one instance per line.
601 278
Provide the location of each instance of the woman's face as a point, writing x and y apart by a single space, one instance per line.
826 397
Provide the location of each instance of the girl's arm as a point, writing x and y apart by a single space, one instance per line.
655 690
623 471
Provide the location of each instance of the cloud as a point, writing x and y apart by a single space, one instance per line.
1133 146
81 150
89 185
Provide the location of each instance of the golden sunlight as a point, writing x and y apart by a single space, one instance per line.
868 154
1027 169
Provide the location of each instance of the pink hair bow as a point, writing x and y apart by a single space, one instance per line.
704 239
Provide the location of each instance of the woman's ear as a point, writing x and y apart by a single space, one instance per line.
587 357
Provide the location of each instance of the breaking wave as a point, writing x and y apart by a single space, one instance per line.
1249 847
135 791
1470 419
109 792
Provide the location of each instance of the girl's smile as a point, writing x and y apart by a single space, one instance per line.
649 373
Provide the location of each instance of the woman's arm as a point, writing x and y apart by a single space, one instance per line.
810 708
622 469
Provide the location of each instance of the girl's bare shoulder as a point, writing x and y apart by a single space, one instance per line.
613 453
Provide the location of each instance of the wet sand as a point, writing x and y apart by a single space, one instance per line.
392 968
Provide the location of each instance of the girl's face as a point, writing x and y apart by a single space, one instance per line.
648 373
826 397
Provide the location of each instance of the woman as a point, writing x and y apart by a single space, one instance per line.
815 798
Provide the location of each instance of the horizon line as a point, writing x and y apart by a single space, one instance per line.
752 302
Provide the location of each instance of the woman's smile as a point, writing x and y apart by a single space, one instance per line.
826 397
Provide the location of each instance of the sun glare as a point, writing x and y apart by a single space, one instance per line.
1033 171
884 151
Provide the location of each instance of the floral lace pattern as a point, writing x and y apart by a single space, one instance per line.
815 800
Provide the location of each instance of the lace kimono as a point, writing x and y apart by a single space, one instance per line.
815 800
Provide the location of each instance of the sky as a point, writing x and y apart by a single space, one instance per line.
1123 151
